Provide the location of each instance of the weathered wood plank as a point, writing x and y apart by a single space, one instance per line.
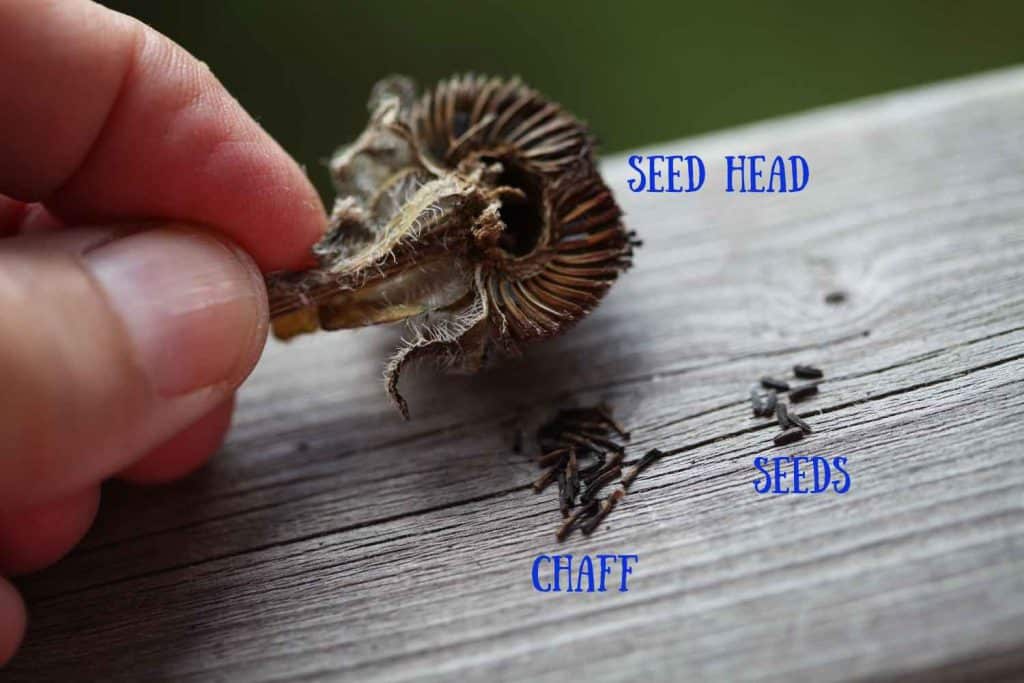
332 540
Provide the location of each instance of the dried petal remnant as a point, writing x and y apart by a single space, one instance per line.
475 214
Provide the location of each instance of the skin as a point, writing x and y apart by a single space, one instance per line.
125 165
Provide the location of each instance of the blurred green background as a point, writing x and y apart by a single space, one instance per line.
639 72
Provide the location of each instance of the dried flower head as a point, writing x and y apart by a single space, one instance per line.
475 213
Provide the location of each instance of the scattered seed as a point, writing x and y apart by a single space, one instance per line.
802 392
648 457
588 509
772 383
782 415
797 421
762 402
807 372
835 298
607 505
789 436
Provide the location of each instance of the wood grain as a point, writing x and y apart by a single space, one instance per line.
331 540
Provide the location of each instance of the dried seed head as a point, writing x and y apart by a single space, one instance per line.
476 214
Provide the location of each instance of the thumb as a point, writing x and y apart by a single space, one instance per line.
111 343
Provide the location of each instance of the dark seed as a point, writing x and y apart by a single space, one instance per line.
807 372
789 436
782 415
797 421
835 298
763 402
776 384
802 392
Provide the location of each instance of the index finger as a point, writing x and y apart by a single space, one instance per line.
104 120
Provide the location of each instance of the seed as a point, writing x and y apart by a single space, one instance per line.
835 298
607 505
648 457
807 372
789 436
782 415
763 402
589 508
802 392
796 420
772 383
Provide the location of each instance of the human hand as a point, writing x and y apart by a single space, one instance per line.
121 343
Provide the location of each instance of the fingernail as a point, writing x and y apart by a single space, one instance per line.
193 306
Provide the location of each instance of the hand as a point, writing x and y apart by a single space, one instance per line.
121 343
